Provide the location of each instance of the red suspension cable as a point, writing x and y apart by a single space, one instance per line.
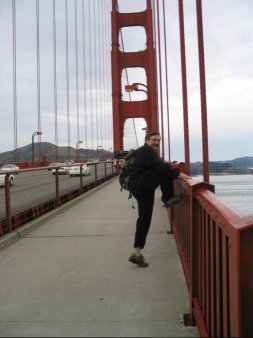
160 74
166 79
184 86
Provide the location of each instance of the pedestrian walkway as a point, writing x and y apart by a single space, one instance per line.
70 276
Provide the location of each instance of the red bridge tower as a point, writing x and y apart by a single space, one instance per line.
122 110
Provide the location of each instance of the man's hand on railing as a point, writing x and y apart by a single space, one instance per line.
184 176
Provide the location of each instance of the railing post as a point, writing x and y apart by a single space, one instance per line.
57 191
8 201
81 178
96 173
246 279
195 256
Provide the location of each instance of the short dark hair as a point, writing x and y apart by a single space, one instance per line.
150 134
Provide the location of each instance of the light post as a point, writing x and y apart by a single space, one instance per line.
97 150
77 149
34 134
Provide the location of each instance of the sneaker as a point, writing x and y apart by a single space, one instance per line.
139 260
173 200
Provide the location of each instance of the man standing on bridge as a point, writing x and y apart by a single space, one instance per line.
150 172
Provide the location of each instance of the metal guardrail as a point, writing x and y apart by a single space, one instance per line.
13 220
216 249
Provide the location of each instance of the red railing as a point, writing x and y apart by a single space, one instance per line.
216 249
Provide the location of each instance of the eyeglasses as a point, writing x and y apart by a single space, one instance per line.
155 139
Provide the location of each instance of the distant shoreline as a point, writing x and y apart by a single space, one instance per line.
224 174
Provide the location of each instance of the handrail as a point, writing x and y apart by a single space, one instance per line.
215 244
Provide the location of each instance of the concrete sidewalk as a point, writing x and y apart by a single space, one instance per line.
70 277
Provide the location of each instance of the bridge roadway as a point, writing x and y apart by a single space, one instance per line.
67 274
37 187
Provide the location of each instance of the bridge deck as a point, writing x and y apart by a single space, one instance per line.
70 277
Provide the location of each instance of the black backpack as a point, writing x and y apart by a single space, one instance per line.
127 168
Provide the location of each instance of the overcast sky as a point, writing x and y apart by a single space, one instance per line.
228 42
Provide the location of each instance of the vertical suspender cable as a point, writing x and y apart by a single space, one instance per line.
95 63
67 73
77 82
184 86
84 79
38 71
160 74
90 74
14 51
103 118
166 76
108 70
55 82
155 43
100 38
106 74
202 90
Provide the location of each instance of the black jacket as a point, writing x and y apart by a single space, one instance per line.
148 158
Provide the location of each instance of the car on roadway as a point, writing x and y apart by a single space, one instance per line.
10 167
2 180
69 162
62 170
54 164
75 170
93 160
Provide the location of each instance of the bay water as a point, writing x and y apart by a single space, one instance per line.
235 190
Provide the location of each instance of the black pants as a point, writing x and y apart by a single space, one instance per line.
143 189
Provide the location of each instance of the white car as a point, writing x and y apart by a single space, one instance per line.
61 171
10 167
75 170
2 180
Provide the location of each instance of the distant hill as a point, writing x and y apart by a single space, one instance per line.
242 165
242 162
48 151
239 165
